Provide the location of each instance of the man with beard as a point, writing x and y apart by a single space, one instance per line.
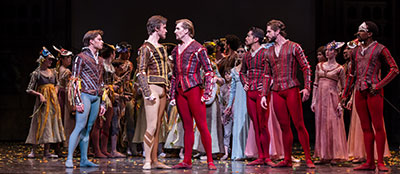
152 77
251 75
282 60
189 57
364 75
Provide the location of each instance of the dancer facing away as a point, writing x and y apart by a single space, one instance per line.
251 76
364 75
189 57
153 80
87 73
46 125
282 61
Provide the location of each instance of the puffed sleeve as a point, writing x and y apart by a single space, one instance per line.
33 82
144 55
305 67
209 73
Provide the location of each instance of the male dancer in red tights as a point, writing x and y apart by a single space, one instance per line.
188 58
251 76
367 59
282 60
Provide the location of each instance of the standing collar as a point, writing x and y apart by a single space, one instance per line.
91 54
256 51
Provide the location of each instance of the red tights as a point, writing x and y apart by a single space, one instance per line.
287 104
259 117
190 106
370 110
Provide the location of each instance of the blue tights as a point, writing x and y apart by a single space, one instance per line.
83 125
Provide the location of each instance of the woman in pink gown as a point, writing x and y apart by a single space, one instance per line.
276 143
330 140
251 147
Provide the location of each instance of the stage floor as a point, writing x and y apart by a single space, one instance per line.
13 160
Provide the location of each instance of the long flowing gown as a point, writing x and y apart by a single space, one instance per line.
46 124
251 146
276 142
240 129
329 125
175 135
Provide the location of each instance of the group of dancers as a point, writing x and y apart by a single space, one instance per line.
263 78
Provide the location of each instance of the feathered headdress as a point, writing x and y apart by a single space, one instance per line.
43 54
352 44
123 47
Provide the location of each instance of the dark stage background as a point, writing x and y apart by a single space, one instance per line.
28 25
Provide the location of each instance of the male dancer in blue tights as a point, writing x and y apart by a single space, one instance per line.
87 72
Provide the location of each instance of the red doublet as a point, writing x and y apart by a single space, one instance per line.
284 68
186 73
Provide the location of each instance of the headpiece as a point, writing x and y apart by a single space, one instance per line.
334 45
63 52
211 43
111 46
123 47
43 54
